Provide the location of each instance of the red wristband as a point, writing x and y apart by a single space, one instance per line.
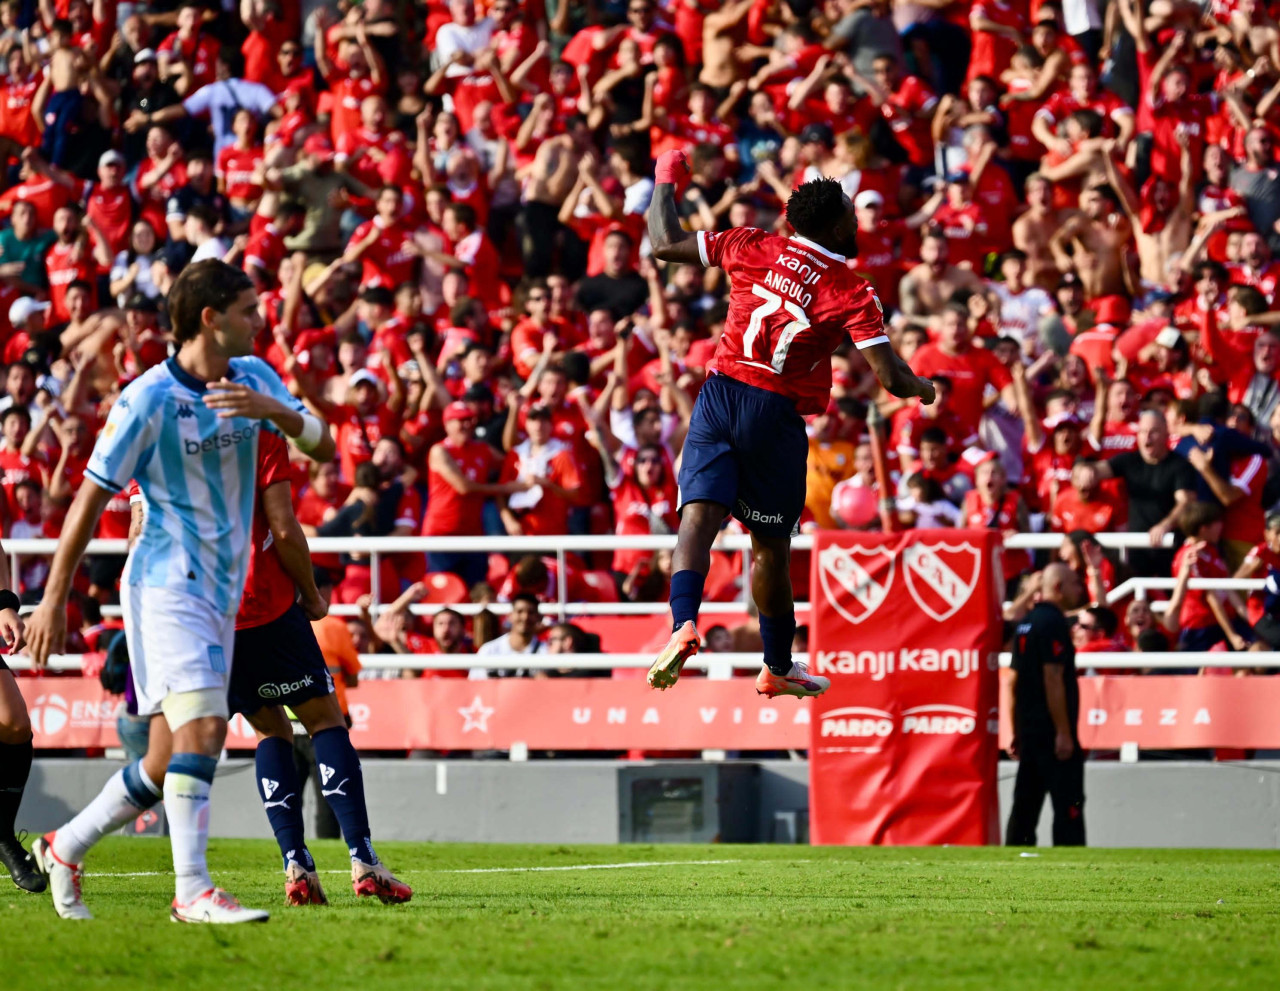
672 167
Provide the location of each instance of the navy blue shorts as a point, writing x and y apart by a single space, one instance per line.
746 450
1208 637
277 663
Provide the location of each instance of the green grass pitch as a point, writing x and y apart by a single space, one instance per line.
713 917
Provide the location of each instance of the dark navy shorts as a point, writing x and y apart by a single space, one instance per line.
746 450
277 663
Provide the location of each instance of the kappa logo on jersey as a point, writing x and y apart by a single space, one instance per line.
941 577
855 579
185 412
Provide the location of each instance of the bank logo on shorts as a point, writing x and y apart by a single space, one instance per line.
855 579
273 690
941 577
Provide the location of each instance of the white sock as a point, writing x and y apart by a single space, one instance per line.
126 795
186 803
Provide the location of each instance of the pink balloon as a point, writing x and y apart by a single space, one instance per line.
854 506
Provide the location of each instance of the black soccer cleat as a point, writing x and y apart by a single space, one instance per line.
21 866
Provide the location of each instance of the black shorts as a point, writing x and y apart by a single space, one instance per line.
747 451
277 663
3 665
105 570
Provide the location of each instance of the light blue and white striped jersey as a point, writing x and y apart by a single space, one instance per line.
197 475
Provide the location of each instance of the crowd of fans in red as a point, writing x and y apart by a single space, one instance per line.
1069 214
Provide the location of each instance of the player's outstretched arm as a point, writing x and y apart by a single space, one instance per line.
671 242
896 375
47 626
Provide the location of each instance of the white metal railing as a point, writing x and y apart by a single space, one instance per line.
376 547
1138 587
723 665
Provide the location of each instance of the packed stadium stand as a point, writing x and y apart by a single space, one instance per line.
1069 213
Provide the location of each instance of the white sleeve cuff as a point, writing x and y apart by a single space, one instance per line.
702 248
882 339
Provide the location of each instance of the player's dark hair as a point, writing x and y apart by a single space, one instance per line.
1090 122
15 410
291 208
80 284
1105 619
1249 299
1152 641
210 283
205 214
1210 269
461 311
1214 407
815 207
530 572
463 213
930 488
366 476
1107 192
577 368
1199 515
527 597
933 435
1243 412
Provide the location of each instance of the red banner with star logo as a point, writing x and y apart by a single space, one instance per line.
622 713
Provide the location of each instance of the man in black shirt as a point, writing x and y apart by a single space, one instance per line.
1046 708
148 95
1160 483
620 289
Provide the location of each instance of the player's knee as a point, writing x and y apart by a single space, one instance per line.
320 714
16 728
197 719
271 721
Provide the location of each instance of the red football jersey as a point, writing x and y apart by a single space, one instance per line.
268 590
791 304
1195 613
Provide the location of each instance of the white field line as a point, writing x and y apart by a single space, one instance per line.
475 870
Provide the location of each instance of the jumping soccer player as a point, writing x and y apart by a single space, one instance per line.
15 745
792 302
280 660
187 430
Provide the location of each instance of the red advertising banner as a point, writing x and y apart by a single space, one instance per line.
903 746
456 714
623 714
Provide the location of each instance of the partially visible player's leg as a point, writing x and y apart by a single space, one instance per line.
280 789
771 589
16 749
699 524
342 786
187 652
708 487
126 795
772 450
